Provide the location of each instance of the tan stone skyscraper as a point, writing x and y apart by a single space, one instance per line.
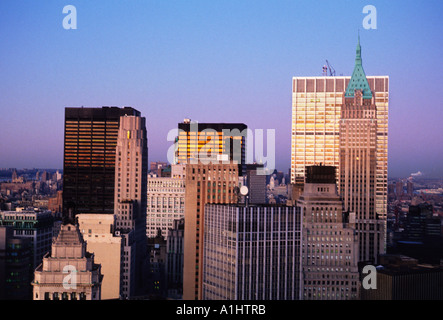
130 196
358 162
205 183
131 172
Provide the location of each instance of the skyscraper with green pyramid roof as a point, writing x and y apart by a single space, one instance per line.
358 162
358 79
321 107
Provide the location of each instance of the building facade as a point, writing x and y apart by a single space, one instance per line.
174 260
69 271
15 266
216 143
316 115
205 183
330 242
130 198
35 225
98 232
251 252
89 158
165 204
403 278
256 184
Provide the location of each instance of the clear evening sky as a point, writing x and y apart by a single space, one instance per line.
212 61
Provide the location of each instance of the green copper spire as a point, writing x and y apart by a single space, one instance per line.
358 79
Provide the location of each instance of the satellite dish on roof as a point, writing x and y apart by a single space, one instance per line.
244 190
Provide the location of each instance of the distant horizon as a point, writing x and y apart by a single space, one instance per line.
422 176
225 61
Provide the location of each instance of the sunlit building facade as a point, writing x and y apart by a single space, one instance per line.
316 115
211 143
131 174
205 183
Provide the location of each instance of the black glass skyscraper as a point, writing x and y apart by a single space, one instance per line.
89 158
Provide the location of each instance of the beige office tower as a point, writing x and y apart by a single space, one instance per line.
69 271
330 241
131 171
360 186
130 201
98 233
166 203
205 183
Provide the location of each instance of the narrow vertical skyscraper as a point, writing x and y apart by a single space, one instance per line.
204 183
358 162
131 172
131 175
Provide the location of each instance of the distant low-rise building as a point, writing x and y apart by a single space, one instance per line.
55 204
403 278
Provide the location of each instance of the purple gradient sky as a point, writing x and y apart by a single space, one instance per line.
212 61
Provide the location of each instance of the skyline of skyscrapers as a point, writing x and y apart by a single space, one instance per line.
316 113
227 241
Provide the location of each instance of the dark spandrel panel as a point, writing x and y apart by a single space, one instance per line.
320 174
